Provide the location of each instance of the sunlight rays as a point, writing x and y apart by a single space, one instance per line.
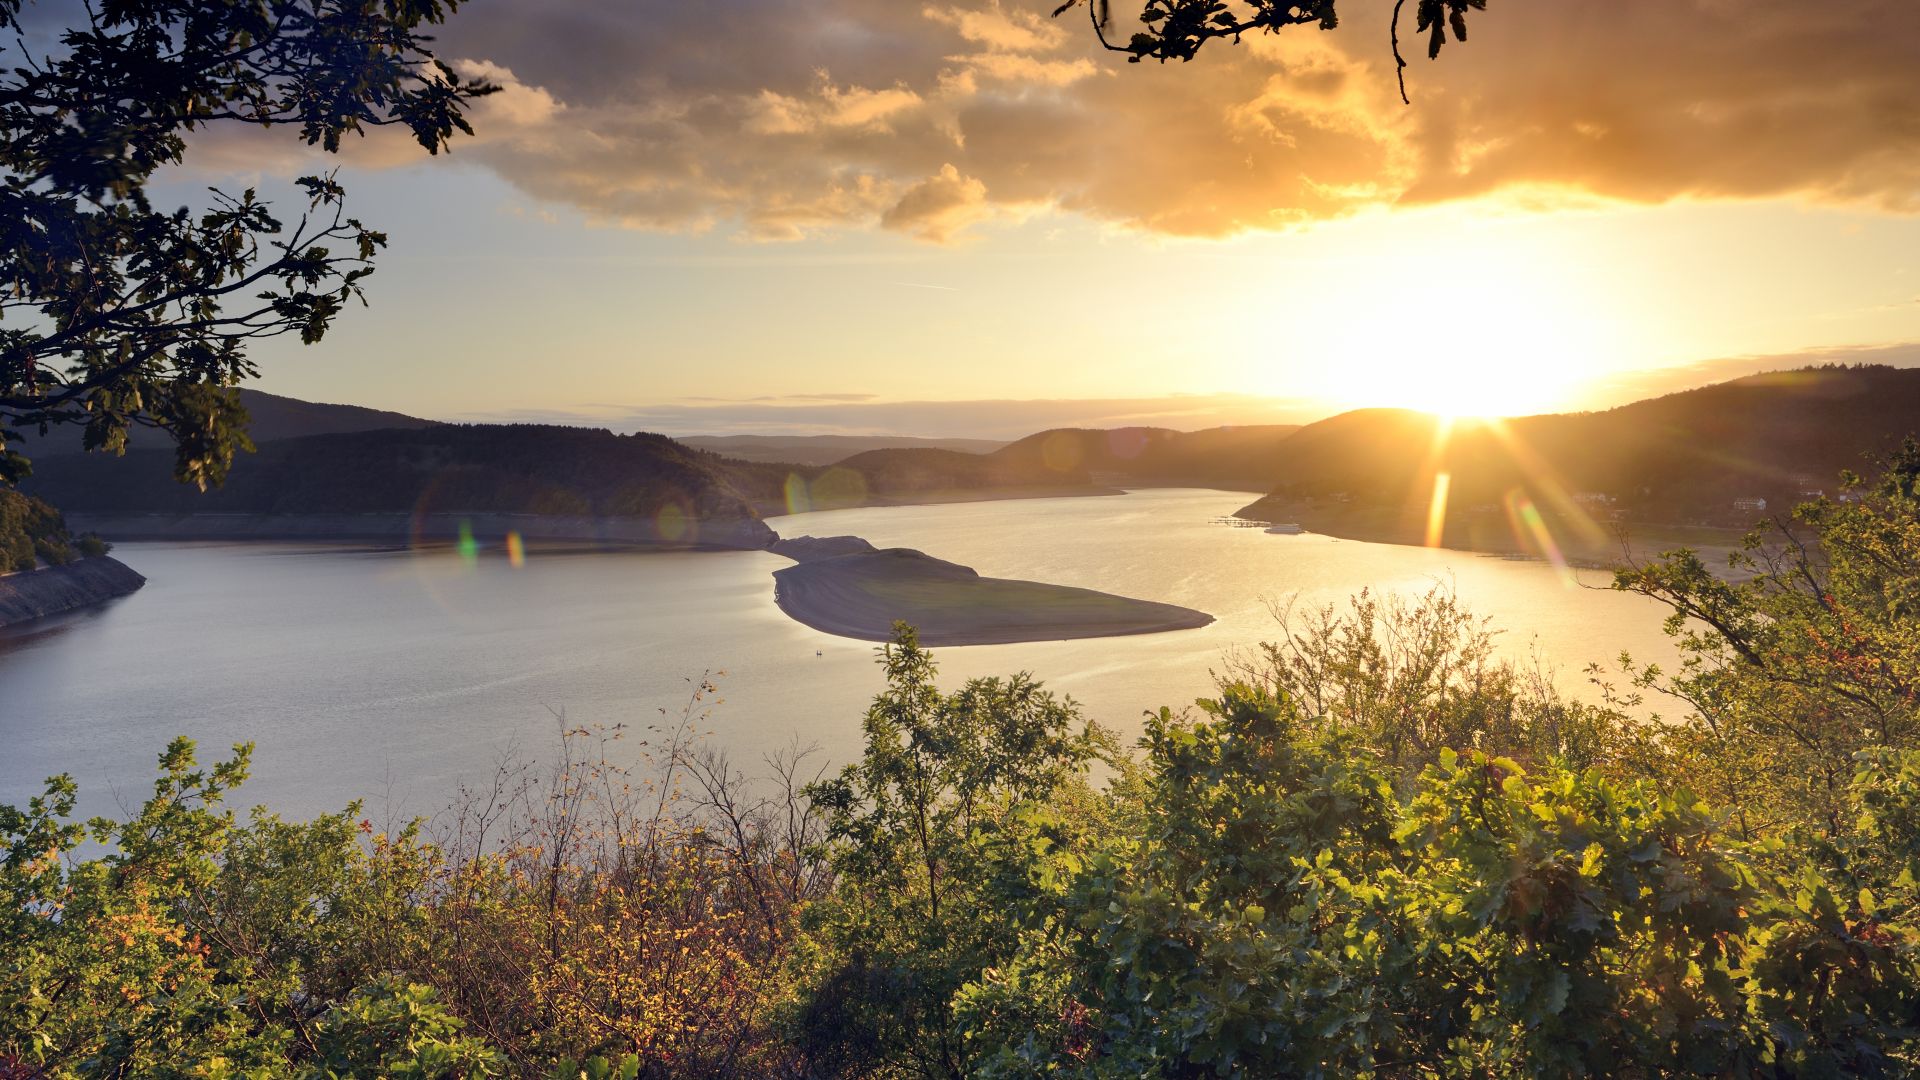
1531 529
1437 508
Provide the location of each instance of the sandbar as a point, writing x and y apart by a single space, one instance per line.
861 594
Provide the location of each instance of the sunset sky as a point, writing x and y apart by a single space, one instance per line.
887 216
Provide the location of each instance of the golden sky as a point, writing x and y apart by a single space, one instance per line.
698 215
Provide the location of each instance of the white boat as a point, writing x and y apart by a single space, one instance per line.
1285 529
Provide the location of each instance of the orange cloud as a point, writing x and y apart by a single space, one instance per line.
940 206
780 120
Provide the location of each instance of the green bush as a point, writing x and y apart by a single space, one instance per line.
31 531
1283 912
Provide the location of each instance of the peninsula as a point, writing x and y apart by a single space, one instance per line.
842 585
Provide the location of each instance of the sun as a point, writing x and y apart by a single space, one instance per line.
1462 330
1513 358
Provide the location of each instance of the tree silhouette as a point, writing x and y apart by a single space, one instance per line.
115 313
1176 29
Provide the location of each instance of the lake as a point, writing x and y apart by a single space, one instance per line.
394 674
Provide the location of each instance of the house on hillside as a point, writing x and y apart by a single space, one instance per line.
1808 488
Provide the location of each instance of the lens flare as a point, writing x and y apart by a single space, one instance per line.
1541 477
837 488
671 523
1530 529
799 498
466 545
1061 451
1437 508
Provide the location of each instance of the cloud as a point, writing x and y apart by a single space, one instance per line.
829 107
779 120
939 206
1020 31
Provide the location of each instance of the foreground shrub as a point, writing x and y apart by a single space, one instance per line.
949 837
197 947
1283 912
1799 656
585 937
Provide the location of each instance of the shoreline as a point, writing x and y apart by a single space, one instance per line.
27 595
1493 536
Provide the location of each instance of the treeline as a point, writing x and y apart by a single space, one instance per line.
907 471
515 469
33 532
1376 850
451 468
1242 458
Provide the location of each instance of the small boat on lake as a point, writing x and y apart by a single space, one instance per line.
1285 529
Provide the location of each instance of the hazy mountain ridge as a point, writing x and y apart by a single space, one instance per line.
898 472
1234 458
1702 455
825 449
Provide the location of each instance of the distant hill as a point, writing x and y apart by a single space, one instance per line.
1704 456
825 449
445 468
271 419
1236 458
443 471
900 472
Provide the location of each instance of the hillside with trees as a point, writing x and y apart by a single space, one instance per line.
912 473
1682 457
825 449
33 533
447 468
268 418
523 469
1235 458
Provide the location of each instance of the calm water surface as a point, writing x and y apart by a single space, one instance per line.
392 675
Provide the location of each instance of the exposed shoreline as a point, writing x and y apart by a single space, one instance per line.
55 590
1492 534
842 586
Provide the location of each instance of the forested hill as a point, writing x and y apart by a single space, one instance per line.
905 473
1238 458
1690 456
524 469
271 418
446 468
825 449
1697 456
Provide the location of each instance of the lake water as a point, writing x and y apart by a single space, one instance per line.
392 675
